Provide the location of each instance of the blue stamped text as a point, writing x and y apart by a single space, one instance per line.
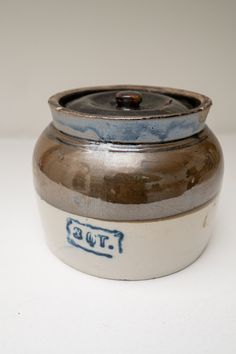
93 239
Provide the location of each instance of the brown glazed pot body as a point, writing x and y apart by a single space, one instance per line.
127 182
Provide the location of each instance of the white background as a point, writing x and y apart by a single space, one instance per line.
52 45
48 46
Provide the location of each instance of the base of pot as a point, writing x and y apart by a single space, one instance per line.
128 250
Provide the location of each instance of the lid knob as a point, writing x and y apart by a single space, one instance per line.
128 99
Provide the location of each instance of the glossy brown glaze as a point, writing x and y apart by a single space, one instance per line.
127 182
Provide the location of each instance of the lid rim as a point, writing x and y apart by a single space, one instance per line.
55 102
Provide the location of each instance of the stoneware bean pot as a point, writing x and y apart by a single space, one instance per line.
128 179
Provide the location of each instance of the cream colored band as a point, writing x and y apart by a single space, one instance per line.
127 250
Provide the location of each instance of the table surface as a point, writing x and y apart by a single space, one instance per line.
47 307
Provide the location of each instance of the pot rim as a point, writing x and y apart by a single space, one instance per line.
133 129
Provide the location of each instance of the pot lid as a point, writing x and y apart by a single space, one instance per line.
129 114
128 103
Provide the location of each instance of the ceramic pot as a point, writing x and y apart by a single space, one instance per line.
128 179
